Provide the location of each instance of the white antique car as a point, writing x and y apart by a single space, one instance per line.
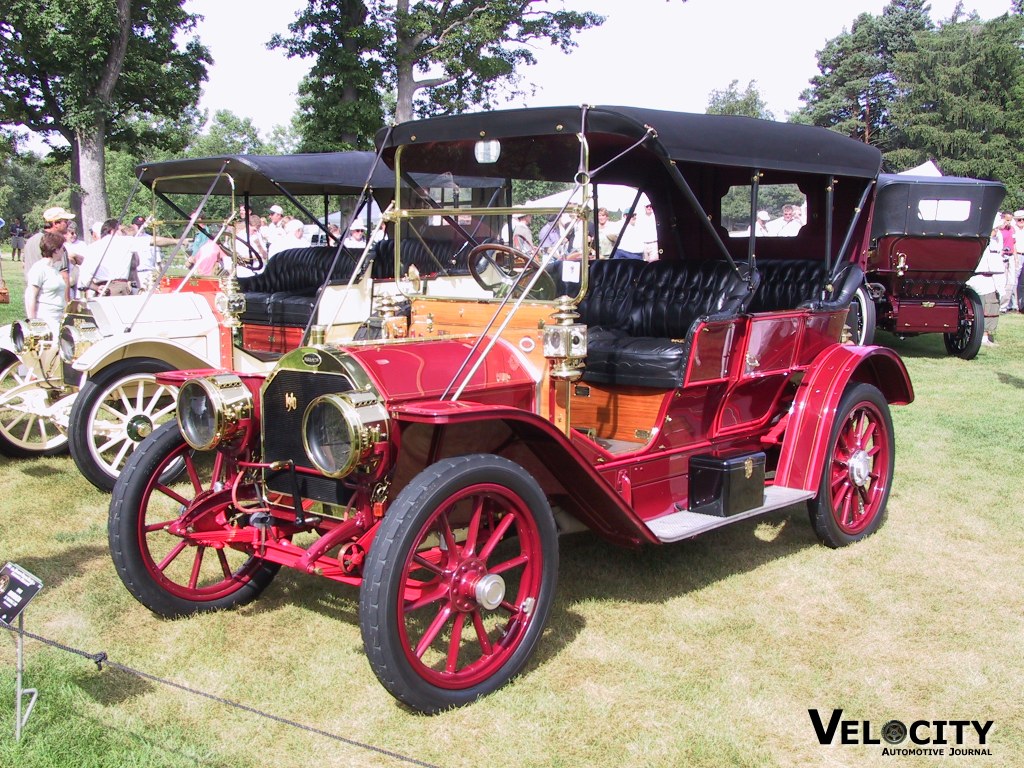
94 387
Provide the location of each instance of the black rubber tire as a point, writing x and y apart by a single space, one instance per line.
862 318
131 555
410 515
857 399
966 342
81 432
10 444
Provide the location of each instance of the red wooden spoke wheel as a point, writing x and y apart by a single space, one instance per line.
459 582
858 469
161 500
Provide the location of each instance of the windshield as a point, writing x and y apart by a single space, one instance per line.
467 237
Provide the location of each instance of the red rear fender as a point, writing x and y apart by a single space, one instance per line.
814 408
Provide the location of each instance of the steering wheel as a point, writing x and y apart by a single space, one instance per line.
510 274
250 259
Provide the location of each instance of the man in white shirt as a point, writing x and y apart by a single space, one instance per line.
989 280
149 254
631 242
788 225
294 237
647 225
273 230
109 263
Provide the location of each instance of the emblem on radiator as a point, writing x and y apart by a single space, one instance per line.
290 401
312 359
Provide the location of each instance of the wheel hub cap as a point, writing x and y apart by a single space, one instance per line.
860 468
473 586
490 591
139 428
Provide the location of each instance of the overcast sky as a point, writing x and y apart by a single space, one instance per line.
662 54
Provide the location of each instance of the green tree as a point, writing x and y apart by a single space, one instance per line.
857 86
339 105
435 56
731 102
229 134
964 101
25 185
736 202
98 72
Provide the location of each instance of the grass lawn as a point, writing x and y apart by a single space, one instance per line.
704 653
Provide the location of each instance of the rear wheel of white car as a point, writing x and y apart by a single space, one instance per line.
25 429
114 412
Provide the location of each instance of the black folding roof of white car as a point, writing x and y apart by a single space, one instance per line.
334 173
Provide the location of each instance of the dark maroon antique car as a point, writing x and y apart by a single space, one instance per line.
524 393
927 236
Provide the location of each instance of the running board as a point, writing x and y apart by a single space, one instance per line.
684 525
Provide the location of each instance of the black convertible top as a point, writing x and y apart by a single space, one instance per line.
899 201
326 173
727 140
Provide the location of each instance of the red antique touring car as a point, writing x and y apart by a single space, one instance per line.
926 239
531 391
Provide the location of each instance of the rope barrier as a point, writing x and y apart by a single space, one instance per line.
100 659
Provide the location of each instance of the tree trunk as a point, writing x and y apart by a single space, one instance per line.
76 180
406 80
406 89
92 138
92 169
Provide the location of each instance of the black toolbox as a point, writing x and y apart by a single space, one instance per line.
726 485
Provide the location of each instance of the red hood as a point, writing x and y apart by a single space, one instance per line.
424 370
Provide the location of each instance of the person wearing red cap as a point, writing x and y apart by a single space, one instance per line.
55 220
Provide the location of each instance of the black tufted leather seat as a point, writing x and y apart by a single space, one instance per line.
787 283
643 317
799 283
285 292
609 299
838 293
429 256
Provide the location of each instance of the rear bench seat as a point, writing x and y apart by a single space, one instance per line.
800 283
430 257
642 316
285 291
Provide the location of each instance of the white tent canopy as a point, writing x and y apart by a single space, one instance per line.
927 168
611 196
342 217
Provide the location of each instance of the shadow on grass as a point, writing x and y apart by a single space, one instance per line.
68 564
113 686
594 569
42 471
926 346
590 568
1012 381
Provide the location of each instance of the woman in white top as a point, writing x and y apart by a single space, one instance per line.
45 285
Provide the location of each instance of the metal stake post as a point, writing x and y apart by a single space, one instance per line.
20 693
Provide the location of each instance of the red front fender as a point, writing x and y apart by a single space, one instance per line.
814 408
541 450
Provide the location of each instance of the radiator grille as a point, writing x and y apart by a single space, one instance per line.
282 430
